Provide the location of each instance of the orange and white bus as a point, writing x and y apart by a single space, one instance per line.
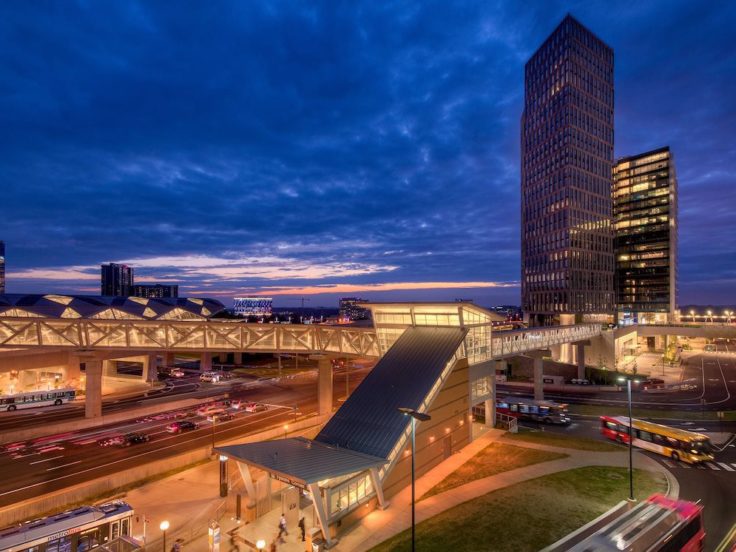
674 443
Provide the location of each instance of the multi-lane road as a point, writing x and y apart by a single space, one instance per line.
55 462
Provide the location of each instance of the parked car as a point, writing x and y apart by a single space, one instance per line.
135 439
255 407
183 425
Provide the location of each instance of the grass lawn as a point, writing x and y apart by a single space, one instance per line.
527 516
495 458
594 410
564 441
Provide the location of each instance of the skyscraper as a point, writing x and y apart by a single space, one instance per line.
566 161
350 309
645 241
2 267
154 291
116 280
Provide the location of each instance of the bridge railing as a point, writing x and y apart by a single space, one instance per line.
516 342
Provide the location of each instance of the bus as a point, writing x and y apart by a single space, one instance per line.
31 399
658 524
674 443
77 530
547 412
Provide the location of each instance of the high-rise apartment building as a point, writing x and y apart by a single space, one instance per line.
116 280
2 267
567 261
645 240
155 291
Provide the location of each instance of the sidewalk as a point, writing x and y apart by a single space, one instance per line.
190 499
381 525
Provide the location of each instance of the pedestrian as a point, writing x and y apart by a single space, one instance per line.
273 545
303 529
282 528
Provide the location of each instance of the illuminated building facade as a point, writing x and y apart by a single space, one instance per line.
2 267
253 306
567 262
645 220
116 280
156 291
350 309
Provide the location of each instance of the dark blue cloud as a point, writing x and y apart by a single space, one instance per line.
380 134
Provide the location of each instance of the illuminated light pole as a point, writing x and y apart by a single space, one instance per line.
286 430
422 418
260 544
631 439
164 526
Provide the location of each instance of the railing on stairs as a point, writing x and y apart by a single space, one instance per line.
509 423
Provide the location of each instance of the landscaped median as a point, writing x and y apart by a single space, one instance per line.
528 515
551 439
494 459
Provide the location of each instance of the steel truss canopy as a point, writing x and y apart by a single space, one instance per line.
107 308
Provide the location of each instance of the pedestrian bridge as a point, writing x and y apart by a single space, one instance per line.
222 336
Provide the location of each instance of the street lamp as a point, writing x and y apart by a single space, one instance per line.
631 432
422 418
286 430
260 544
164 526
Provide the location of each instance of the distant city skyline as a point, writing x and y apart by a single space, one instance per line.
340 152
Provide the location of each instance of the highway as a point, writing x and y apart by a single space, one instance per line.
713 376
52 463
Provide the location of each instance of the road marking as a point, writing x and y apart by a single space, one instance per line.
701 467
63 466
725 466
712 466
99 466
46 459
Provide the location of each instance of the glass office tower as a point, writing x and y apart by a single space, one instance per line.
567 261
645 219
116 280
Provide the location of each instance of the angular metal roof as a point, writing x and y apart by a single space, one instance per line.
88 306
299 460
369 421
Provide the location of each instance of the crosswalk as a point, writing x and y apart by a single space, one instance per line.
715 466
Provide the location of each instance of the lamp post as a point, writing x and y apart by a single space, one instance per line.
631 433
422 418
164 526
260 544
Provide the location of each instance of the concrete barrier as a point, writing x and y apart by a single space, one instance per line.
103 488
89 423
564 387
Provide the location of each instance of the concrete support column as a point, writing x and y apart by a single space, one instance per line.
324 384
205 362
538 383
109 368
237 358
150 368
72 373
581 360
169 359
490 412
93 389
250 488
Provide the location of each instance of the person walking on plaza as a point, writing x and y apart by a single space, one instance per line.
303 529
282 528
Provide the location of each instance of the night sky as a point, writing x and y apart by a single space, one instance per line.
345 148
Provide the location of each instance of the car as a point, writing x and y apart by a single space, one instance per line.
176 373
210 409
223 417
135 439
183 425
115 440
255 407
578 381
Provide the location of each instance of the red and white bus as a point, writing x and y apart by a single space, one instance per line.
546 412
672 442
658 524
